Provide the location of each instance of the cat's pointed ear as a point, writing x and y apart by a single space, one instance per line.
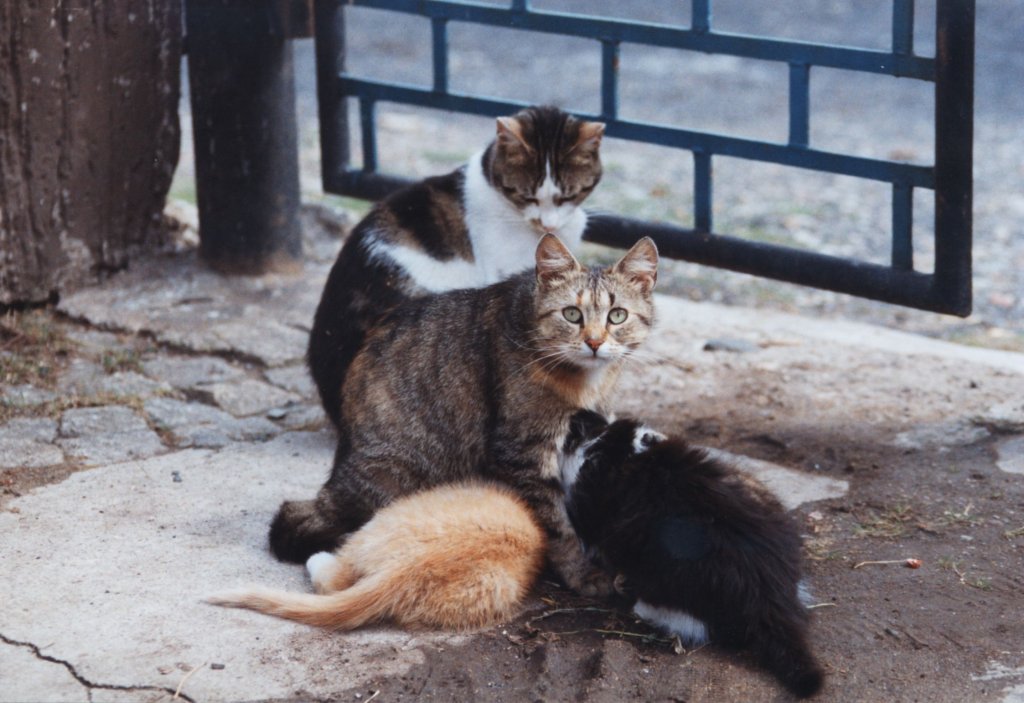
589 136
554 260
640 264
510 133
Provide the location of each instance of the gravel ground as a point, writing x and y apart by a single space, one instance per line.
853 113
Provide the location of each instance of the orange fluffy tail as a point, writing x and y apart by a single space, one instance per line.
341 610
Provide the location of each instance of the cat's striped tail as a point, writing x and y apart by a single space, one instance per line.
353 607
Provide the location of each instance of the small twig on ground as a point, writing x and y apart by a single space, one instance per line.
909 563
177 691
559 611
815 606
372 696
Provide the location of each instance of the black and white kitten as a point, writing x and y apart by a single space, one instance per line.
467 229
707 551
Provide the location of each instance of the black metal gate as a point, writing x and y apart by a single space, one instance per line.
947 290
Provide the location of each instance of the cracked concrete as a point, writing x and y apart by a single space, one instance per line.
105 568
38 682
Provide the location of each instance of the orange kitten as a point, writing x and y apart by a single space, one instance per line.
456 557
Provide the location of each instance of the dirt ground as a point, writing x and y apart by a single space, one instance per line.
885 632
915 436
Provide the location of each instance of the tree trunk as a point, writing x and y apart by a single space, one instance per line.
89 137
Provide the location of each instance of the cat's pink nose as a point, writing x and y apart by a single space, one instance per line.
594 344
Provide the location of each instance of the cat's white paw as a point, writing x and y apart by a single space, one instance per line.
316 564
691 631
644 438
803 592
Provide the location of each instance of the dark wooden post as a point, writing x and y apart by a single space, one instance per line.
246 150
88 138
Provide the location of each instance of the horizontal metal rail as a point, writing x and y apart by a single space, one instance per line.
649 34
947 290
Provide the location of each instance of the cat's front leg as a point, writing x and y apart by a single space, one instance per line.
565 550
577 571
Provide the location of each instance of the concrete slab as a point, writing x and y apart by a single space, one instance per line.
108 569
793 488
1011 455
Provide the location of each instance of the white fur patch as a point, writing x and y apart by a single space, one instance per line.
803 592
430 274
644 437
570 464
316 564
504 241
690 630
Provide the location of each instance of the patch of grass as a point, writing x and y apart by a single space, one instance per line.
820 550
982 583
961 518
115 360
884 524
1012 534
32 348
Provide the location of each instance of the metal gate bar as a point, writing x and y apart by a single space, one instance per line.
952 70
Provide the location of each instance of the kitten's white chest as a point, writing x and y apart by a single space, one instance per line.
503 241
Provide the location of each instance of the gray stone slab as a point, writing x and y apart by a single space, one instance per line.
145 550
247 397
94 340
195 424
26 396
28 454
109 419
27 443
793 488
271 342
133 385
107 434
39 429
1011 455
294 378
182 303
186 372
99 449
305 417
942 435
82 377
1003 417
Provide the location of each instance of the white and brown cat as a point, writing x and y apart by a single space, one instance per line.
467 229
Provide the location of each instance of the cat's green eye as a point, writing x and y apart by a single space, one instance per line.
572 314
617 316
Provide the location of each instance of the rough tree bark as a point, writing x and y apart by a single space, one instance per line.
89 137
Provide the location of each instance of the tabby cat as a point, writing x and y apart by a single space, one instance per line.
707 551
480 383
457 557
468 229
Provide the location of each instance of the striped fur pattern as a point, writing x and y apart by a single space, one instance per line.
467 229
457 557
708 552
480 382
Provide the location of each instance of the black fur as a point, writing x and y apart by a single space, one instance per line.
361 289
692 534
